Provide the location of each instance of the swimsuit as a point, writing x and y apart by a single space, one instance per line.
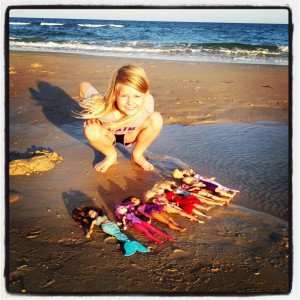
131 125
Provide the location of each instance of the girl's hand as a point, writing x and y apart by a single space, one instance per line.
91 122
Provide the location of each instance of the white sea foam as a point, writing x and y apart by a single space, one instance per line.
91 25
101 25
153 51
51 24
115 25
19 23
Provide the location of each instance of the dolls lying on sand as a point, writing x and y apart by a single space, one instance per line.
87 215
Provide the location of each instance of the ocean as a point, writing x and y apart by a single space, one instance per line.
185 41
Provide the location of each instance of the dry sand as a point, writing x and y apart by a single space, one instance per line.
237 251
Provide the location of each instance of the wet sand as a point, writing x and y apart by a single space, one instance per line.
237 251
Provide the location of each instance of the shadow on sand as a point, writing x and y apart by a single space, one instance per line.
59 108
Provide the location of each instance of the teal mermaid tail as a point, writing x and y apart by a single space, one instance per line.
131 247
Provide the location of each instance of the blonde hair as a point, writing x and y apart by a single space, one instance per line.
98 106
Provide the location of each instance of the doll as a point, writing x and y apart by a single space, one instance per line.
87 215
151 211
126 216
157 212
190 204
173 208
190 177
204 196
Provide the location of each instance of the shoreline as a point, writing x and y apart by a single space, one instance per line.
239 93
236 251
155 58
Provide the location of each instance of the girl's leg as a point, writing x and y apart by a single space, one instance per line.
145 137
161 218
102 140
142 229
157 231
84 87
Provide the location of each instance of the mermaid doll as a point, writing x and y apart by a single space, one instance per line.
87 215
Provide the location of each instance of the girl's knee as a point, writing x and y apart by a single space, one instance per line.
156 120
82 87
93 132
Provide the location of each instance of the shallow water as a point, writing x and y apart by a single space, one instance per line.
253 158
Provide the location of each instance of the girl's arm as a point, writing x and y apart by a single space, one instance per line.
88 235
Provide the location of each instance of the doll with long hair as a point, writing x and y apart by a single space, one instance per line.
91 216
125 213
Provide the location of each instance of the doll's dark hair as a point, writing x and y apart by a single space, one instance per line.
80 214
128 199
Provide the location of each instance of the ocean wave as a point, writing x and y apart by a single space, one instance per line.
51 24
139 47
116 25
91 25
19 23
102 25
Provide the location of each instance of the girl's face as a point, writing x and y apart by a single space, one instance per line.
129 100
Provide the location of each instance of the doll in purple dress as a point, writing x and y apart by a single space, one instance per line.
152 211
125 214
157 212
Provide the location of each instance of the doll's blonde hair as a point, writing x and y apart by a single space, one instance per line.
98 106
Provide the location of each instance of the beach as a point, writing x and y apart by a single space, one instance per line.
239 250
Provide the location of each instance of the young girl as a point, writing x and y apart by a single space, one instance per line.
124 115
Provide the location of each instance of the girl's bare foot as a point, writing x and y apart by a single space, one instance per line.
143 163
105 164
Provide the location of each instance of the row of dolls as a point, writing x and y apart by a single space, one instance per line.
192 198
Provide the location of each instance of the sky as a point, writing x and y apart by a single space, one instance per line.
254 15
